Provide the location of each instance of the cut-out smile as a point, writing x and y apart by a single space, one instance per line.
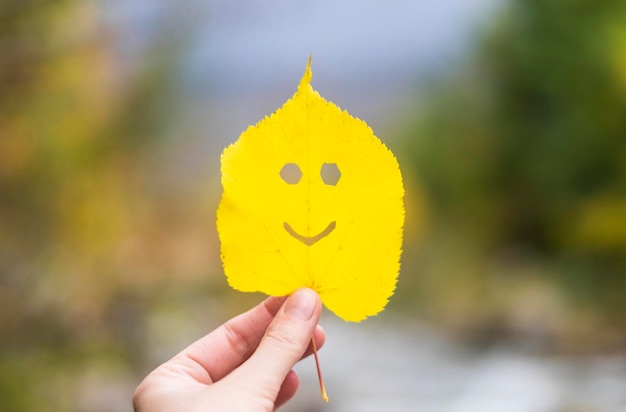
310 240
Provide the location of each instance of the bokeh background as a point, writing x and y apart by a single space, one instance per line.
508 119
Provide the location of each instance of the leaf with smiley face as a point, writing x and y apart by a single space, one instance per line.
312 199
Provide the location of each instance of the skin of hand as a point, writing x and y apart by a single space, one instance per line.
244 365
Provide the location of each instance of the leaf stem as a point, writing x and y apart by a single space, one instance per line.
319 371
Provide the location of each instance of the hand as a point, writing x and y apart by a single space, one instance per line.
244 365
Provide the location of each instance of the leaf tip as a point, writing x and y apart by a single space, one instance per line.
308 74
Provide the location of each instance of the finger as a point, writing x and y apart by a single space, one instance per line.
292 381
284 343
288 389
320 339
218 353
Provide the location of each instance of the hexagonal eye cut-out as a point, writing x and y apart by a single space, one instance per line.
291 173
330 173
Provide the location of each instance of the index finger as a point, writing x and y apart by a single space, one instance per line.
215 355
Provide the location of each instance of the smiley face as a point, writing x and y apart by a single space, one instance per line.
292 174
311 199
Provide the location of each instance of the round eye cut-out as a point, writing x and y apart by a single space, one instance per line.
291 173
330 173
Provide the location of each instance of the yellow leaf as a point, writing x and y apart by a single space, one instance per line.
312 199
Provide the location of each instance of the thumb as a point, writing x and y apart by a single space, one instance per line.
285 341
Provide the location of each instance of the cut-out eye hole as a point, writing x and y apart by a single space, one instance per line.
330 173
291 173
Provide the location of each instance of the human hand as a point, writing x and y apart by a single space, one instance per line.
244 365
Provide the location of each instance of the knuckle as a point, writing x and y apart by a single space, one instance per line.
285 339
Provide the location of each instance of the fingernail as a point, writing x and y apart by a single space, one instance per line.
301 304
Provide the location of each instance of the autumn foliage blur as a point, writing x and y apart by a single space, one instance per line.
514 164
522 157
91 221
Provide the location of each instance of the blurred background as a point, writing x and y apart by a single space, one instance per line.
508 120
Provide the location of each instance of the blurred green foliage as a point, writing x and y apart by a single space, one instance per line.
91 224
522 157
